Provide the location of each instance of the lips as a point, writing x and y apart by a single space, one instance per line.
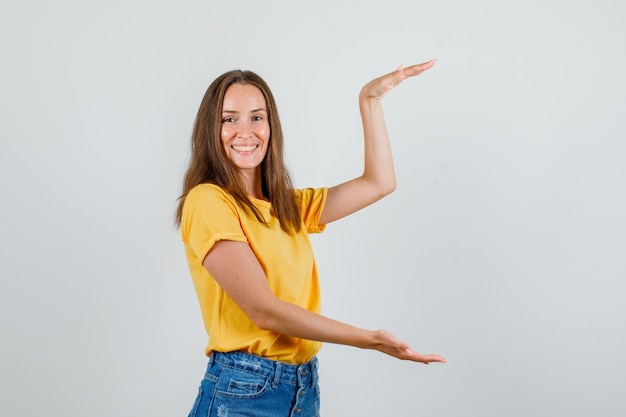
244 148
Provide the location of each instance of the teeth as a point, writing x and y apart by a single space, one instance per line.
241 148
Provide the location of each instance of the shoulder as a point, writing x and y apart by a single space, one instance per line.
204 196
203 192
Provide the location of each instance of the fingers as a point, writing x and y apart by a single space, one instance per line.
425 359
403 73
409 354
433 358
379 87
391 345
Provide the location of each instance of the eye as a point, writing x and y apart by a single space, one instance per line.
228 119
257 118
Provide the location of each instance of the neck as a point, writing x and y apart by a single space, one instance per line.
252 184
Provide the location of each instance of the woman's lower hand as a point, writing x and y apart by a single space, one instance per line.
391 345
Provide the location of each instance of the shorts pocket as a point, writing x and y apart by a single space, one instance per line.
237 384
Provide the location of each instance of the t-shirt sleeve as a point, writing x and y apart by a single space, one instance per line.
311 203
209 215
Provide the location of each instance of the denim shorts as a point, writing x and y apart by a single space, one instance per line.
240 384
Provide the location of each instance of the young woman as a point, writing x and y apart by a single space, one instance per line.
245 230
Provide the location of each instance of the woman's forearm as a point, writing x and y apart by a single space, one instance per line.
289 319
378 166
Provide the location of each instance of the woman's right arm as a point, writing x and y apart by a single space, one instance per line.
236 269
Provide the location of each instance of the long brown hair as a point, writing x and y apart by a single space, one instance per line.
210 164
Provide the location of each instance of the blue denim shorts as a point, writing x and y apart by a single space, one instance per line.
240 384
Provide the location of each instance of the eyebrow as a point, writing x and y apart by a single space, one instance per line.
235 112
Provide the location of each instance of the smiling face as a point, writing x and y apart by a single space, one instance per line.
245 131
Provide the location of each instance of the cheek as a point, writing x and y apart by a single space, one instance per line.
224 135
265 133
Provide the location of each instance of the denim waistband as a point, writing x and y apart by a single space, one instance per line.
305 374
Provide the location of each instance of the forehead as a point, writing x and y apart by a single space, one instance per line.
243 97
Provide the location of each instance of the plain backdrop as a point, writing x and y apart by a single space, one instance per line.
504 247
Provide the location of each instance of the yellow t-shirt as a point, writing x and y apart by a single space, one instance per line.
211 214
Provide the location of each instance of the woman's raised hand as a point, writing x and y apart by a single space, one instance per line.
380 86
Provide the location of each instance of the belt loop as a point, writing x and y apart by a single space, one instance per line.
211 358
279 367
313 374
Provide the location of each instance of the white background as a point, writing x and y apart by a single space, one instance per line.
502 249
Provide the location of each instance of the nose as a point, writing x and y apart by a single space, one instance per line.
245 129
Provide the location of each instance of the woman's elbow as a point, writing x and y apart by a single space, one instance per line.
264 318
387 187
262 322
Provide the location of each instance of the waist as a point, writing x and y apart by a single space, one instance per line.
278 371
261 343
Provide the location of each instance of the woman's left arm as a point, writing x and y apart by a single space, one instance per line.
378 177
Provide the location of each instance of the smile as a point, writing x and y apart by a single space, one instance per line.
244 148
